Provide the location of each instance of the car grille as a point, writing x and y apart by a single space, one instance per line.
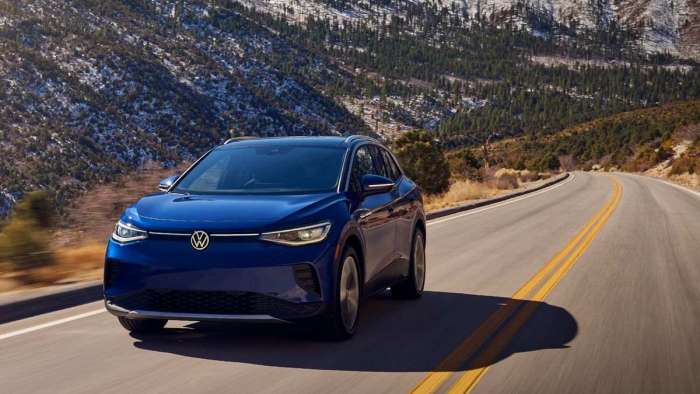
214 302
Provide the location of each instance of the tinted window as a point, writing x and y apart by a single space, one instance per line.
265 169
391 166
382 169
362 165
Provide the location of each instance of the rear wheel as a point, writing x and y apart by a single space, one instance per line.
142 325
413 286
342 319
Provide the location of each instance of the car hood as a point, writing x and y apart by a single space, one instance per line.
231 213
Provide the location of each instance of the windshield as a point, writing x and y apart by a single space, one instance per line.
281 169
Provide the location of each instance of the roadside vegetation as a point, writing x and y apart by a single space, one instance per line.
39 246
451 178
634 141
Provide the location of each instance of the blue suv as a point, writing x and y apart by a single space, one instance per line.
279 229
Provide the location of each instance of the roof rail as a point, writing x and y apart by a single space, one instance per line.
235 139
359 138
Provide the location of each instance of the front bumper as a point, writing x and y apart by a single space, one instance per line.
232 280
142 314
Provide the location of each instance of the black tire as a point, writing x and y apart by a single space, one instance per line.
332 323
410 288
142 325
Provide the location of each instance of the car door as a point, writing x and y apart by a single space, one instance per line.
403 207
373 214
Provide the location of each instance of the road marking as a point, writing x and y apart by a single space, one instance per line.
470 378
669 183
50 324
507 202
497 321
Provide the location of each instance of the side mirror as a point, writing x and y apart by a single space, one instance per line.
372 184
165 184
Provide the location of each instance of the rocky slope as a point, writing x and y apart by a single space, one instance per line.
661 26
89 88
92 89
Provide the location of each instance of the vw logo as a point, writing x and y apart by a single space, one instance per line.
199 240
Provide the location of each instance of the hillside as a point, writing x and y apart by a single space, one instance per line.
659 26
665 139
91 90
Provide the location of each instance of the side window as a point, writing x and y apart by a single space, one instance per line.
362 165
392 168
379 162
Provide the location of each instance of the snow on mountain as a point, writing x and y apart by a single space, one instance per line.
664 26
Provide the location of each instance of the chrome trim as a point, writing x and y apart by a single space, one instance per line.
381 185
199 240
235 235
144 314
211 235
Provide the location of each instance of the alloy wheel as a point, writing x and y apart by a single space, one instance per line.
419 262
349 293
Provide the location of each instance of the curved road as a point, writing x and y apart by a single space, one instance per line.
592 285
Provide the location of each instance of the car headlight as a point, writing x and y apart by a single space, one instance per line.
299 236
125 232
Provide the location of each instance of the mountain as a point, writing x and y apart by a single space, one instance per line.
91 90
660 26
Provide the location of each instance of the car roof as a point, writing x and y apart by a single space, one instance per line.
328 141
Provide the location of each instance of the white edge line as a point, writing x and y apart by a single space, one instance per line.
511 201
51 324
677 186
437 221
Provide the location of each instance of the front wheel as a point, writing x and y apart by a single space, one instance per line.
142 325
413 286
341 321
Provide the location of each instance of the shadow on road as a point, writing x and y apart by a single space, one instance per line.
394 336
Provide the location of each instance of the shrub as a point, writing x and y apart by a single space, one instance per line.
507 181
471 166
423 161
549 162
529 176
25 240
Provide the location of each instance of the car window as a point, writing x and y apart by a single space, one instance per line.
362 165
265 169
378 159
391 166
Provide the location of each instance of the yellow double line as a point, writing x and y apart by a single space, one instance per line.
483 346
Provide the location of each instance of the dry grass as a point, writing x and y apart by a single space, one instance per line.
72 264
498 181
459 192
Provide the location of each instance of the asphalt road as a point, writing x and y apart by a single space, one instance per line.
592 285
